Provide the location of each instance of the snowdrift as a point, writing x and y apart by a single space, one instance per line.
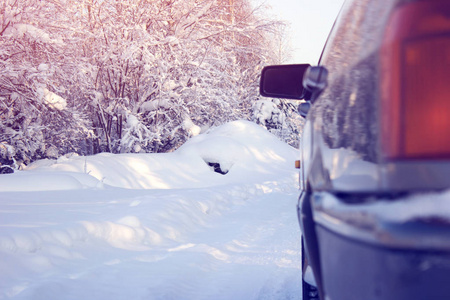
242 149
156 226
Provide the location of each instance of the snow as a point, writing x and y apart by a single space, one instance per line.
267 110
156 226
190 127
421 206
309 276
132 121
52 99
348 169
154 105
43 67
20 30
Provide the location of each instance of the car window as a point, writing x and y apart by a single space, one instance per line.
346 112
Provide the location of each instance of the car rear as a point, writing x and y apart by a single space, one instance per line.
387 237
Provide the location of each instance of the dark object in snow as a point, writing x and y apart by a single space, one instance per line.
216 167
6 170
377 128
5 157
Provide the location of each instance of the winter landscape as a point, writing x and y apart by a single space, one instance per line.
156 226
132 76
137 159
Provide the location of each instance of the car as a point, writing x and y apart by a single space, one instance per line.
374 206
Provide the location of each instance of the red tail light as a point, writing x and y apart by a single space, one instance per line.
415 89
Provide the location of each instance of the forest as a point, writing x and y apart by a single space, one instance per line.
132 76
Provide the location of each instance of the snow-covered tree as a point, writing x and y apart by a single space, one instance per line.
165 62
279 117
35 120
126 76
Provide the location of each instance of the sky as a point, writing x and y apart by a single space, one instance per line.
310 22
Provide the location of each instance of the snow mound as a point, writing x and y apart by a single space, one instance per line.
82 237
44 181
239 149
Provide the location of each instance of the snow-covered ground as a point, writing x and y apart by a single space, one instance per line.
156 226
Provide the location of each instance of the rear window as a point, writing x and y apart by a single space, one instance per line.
348 108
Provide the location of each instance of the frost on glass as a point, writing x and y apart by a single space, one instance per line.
349 105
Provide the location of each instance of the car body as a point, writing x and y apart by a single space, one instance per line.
375 147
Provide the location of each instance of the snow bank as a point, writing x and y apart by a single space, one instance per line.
39 182
156 226
241 148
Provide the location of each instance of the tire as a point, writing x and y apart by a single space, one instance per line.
309 291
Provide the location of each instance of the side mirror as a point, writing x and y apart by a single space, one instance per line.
283 81
315 81
303 108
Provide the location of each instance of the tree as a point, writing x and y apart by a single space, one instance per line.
126 76
35 121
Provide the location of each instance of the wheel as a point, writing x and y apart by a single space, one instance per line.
309 291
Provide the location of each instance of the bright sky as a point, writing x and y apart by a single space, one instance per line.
310 22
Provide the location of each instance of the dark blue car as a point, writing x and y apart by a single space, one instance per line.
375 168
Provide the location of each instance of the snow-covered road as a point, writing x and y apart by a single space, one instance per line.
208 236
235 242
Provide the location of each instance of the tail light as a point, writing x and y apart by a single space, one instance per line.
415 82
